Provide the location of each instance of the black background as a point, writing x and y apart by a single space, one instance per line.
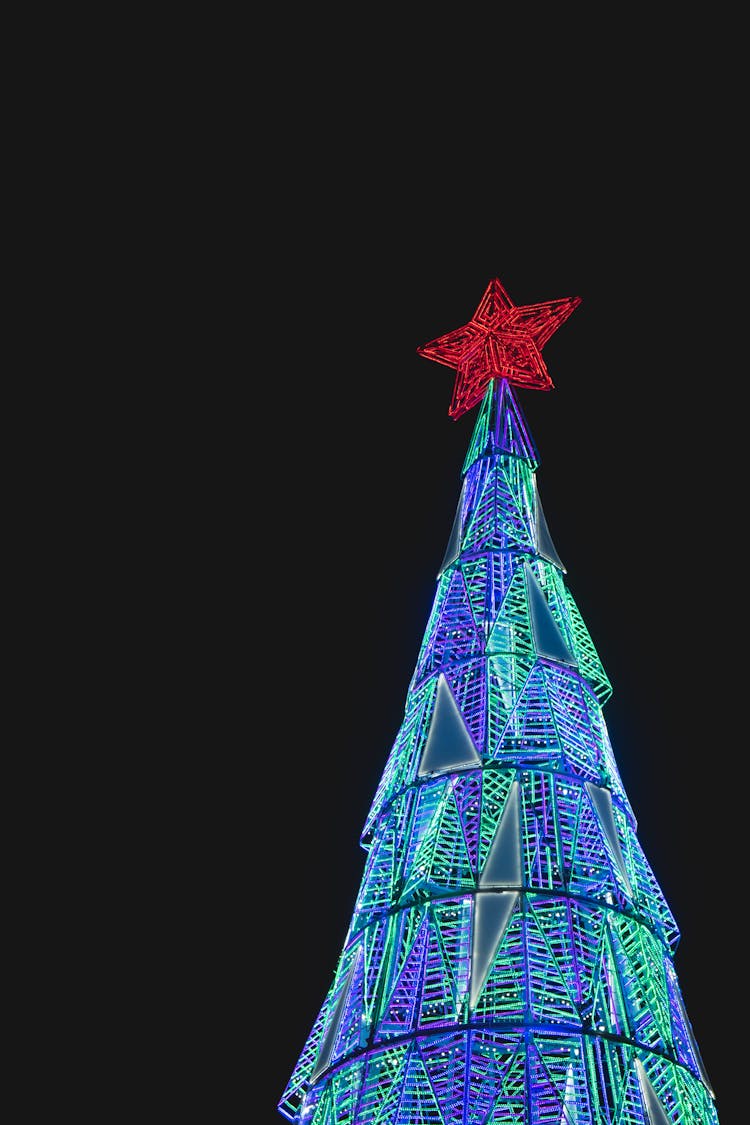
377 232
247 480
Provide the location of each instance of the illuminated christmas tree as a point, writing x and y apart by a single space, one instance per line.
510 954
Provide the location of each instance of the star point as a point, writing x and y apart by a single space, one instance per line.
501 341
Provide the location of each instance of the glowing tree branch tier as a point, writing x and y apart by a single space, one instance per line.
510 953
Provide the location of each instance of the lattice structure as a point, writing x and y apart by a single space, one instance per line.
510 953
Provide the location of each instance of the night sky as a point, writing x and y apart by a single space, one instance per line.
356 474
304 202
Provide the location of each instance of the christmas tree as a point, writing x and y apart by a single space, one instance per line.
510 956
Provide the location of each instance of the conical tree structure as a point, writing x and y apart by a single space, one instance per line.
510 954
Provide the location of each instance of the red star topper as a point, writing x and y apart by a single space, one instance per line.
501 341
